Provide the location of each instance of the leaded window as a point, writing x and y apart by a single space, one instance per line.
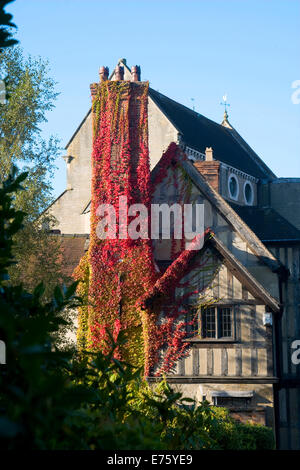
217 322
213 322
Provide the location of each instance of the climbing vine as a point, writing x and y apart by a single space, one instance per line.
81 273
119 281
120 270
167 304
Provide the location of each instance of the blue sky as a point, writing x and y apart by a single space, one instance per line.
198 49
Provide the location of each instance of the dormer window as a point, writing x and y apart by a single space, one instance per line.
248 193
233 187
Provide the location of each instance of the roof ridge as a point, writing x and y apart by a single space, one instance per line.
265 295
195 113
199 132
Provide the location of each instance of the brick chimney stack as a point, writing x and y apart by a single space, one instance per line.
135 73
210 169
119 72
103 73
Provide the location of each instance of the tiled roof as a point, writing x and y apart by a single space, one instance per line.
199 132
73 247
267 224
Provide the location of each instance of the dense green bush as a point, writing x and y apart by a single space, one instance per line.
231 435
53 398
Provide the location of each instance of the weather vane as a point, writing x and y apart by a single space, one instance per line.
225 104
193 100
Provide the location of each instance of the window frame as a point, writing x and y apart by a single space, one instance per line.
248 203
234 403
234 198
197 332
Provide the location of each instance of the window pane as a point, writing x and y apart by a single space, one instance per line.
233 402
233 187
225 322
248 193
209 323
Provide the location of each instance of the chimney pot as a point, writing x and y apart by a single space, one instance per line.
119 72
136 73
209 154
103 73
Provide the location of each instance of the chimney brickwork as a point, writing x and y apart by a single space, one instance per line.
210 170
93 88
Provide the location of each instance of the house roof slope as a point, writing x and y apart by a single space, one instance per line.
199 132
232 217
182 264
267 224
73 248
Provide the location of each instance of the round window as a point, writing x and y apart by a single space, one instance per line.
233 187
248 193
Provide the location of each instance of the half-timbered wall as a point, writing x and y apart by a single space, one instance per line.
289 395
242 364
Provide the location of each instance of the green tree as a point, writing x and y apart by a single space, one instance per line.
30 95
6 24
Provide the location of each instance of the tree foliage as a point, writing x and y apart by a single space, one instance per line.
30 94
6 24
